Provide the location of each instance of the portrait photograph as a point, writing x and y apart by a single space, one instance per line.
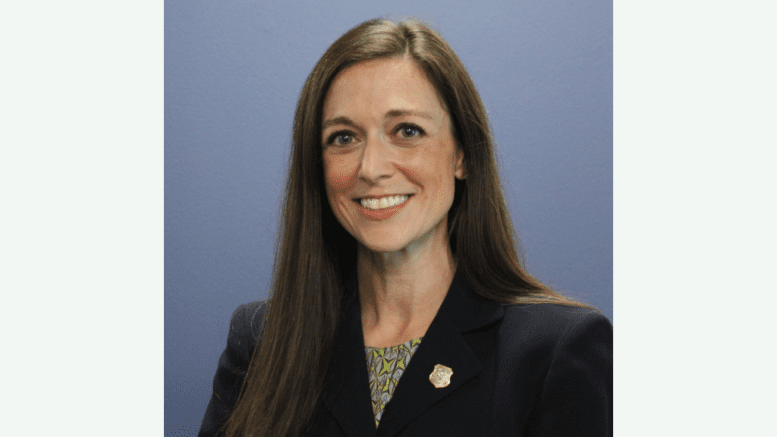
233 75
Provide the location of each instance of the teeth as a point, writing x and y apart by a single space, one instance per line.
383 202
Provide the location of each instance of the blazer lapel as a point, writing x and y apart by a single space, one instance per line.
347 392
461 311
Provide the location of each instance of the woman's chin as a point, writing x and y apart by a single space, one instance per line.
403 241
382 246
385 241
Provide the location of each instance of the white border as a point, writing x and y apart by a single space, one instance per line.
81 165
694 192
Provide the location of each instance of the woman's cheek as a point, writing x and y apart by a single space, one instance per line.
340 173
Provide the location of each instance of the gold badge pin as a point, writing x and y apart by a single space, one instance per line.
441 376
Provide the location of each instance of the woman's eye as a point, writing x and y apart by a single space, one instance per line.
343 139
409 132
340 139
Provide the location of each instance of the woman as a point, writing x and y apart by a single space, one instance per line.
398 262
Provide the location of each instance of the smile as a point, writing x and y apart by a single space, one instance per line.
377 209
384 202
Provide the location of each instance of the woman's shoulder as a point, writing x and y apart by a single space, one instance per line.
553 314
248 319
553 324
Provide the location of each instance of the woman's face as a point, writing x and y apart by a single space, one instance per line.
390 159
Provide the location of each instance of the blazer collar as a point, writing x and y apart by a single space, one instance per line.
346 392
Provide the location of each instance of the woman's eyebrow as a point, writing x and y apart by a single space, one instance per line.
394 113
339 120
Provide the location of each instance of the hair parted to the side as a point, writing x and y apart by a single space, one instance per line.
314 254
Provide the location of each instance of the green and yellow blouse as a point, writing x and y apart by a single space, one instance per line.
385 366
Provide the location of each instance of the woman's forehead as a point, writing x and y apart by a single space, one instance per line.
381 86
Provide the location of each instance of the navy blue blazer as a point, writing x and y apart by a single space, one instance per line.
518 370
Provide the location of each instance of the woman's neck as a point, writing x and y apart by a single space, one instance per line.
401 292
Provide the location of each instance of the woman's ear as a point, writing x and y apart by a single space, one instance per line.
461 171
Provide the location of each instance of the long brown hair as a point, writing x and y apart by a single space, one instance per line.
313 251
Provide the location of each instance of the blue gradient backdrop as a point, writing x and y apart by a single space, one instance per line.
233 71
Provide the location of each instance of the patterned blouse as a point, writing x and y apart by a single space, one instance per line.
385 366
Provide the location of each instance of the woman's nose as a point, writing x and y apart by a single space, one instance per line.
375 161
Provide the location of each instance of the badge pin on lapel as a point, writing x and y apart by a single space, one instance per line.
441 376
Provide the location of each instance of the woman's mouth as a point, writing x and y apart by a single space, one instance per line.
374 204
377 209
